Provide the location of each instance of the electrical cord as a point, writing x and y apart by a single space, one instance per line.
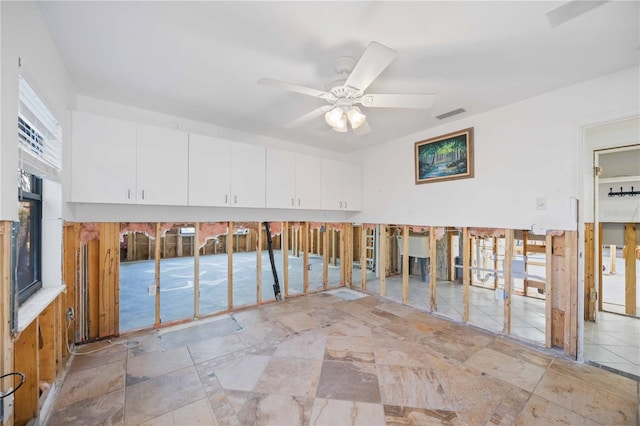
22 380
134 344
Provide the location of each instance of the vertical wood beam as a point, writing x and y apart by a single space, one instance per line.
612 257
548 290
230 267
305 256
452 256
508 280
571 262
334 260
325 257
589 283
630 268
363 258
341 251
6 361
405 264
157 259
599 254
285 257
466 272
495 262
95 312
259 263
433 263
382 267
196 271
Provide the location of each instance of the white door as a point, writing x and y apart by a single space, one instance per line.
103 152
331 185
352 186
163 166
209 171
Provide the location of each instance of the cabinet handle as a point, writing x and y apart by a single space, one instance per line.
235 199
292 202
128 194
298 202
226 198
340 204
143 194
345 204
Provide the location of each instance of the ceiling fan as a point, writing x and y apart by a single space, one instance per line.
345 91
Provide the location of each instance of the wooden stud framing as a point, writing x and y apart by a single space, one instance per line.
466 272
230 267
433 263
157 259
305 256
548 289
363 258
6 362
285 257
495 262
630 268
571 277
405 264
508 280
259 264
589 278
612 256
196 271
382 267
325 257
599 254
93 288
343 278
452 255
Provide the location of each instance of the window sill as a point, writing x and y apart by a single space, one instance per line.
37 303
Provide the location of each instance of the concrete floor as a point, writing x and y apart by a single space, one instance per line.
335 358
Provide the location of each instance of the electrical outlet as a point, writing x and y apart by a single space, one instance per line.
70 314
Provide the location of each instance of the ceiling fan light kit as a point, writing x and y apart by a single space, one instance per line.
346 89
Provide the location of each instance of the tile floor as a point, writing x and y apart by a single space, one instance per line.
612 342
335 358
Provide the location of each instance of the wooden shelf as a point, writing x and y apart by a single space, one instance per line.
620 179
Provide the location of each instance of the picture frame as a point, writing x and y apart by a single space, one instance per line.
446 157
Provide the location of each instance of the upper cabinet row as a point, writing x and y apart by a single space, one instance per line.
120 162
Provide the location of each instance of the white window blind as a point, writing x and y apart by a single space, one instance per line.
39 135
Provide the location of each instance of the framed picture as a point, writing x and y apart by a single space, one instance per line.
445 157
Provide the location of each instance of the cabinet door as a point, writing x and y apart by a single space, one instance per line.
163 166
352 189
209 171
331 186
247 175
103 152
308 182
281 179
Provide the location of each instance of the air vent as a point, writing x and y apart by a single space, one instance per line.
450 113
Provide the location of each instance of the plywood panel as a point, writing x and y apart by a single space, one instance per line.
26 361
6 343
109 278
557 332
47 364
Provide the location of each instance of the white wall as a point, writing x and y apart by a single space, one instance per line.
25 36
524 151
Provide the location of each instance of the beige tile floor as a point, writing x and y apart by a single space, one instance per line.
335 359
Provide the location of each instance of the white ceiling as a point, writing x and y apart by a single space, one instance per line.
201 60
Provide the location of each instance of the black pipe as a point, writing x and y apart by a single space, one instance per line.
276 285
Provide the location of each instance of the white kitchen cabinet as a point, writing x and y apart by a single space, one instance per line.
341 187
223 173
292 180
247 175
209 171
103 157
162 166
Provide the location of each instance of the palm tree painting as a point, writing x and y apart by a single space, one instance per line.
445 157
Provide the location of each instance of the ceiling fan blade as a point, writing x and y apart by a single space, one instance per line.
294 88
300 121
363 129
408 100
372 62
